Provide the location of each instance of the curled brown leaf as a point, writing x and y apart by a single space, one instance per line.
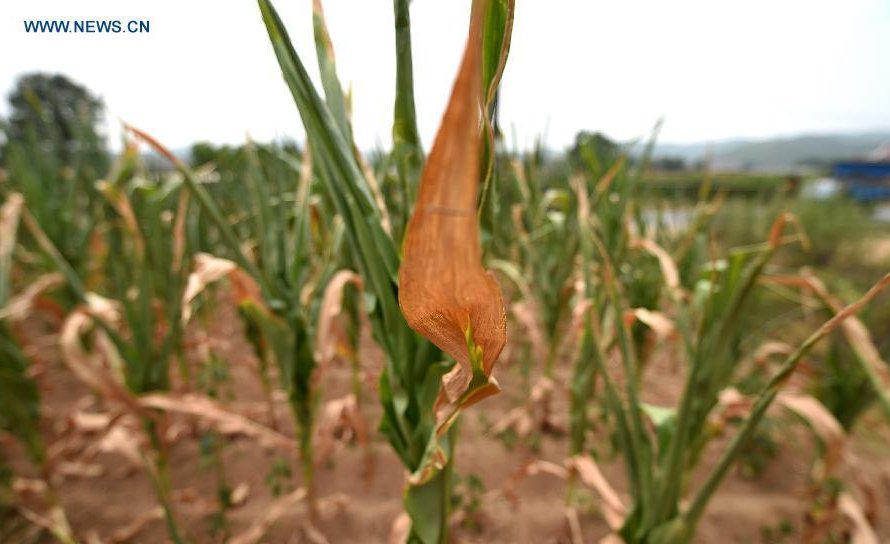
444 292
613 508
327 337
823 424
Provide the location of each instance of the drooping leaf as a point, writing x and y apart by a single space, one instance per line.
444 292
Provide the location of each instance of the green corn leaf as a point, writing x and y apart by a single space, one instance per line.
327 65
407 150
340 172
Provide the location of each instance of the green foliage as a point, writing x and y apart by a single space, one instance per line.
279 476
144 268
414 367
54 155
467 499
20 409
20 412
841 385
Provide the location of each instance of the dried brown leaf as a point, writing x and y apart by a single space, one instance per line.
525 314
53 519
771 349
605 182
340 421
665 262
444 292
120 202
124 442
9 222
863 533
327 337
401 528
21 305
532 468
535 414
574 526
129 531
278 508
823 424
613 508
733 404
90 422
208 269
226 421
854 329
76 469
89 367
573 332
239 494
661 325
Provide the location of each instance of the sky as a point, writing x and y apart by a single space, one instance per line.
712 69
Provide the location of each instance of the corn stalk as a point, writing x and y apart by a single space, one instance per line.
414 366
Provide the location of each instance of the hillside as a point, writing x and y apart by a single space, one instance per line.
778 153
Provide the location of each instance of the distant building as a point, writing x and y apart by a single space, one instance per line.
866 180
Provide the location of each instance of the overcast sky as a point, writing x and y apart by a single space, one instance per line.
713 69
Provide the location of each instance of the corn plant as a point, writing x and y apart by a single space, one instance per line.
20 412
138 329
21 409
52 156
538 232
290 243
707 322
279 325
414 366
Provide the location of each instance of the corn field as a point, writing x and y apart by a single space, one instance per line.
468 343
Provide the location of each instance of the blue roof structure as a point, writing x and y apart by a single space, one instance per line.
866 181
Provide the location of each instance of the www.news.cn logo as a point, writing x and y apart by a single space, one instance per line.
87 26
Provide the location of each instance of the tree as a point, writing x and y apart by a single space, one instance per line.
60 118
593 151
669 164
